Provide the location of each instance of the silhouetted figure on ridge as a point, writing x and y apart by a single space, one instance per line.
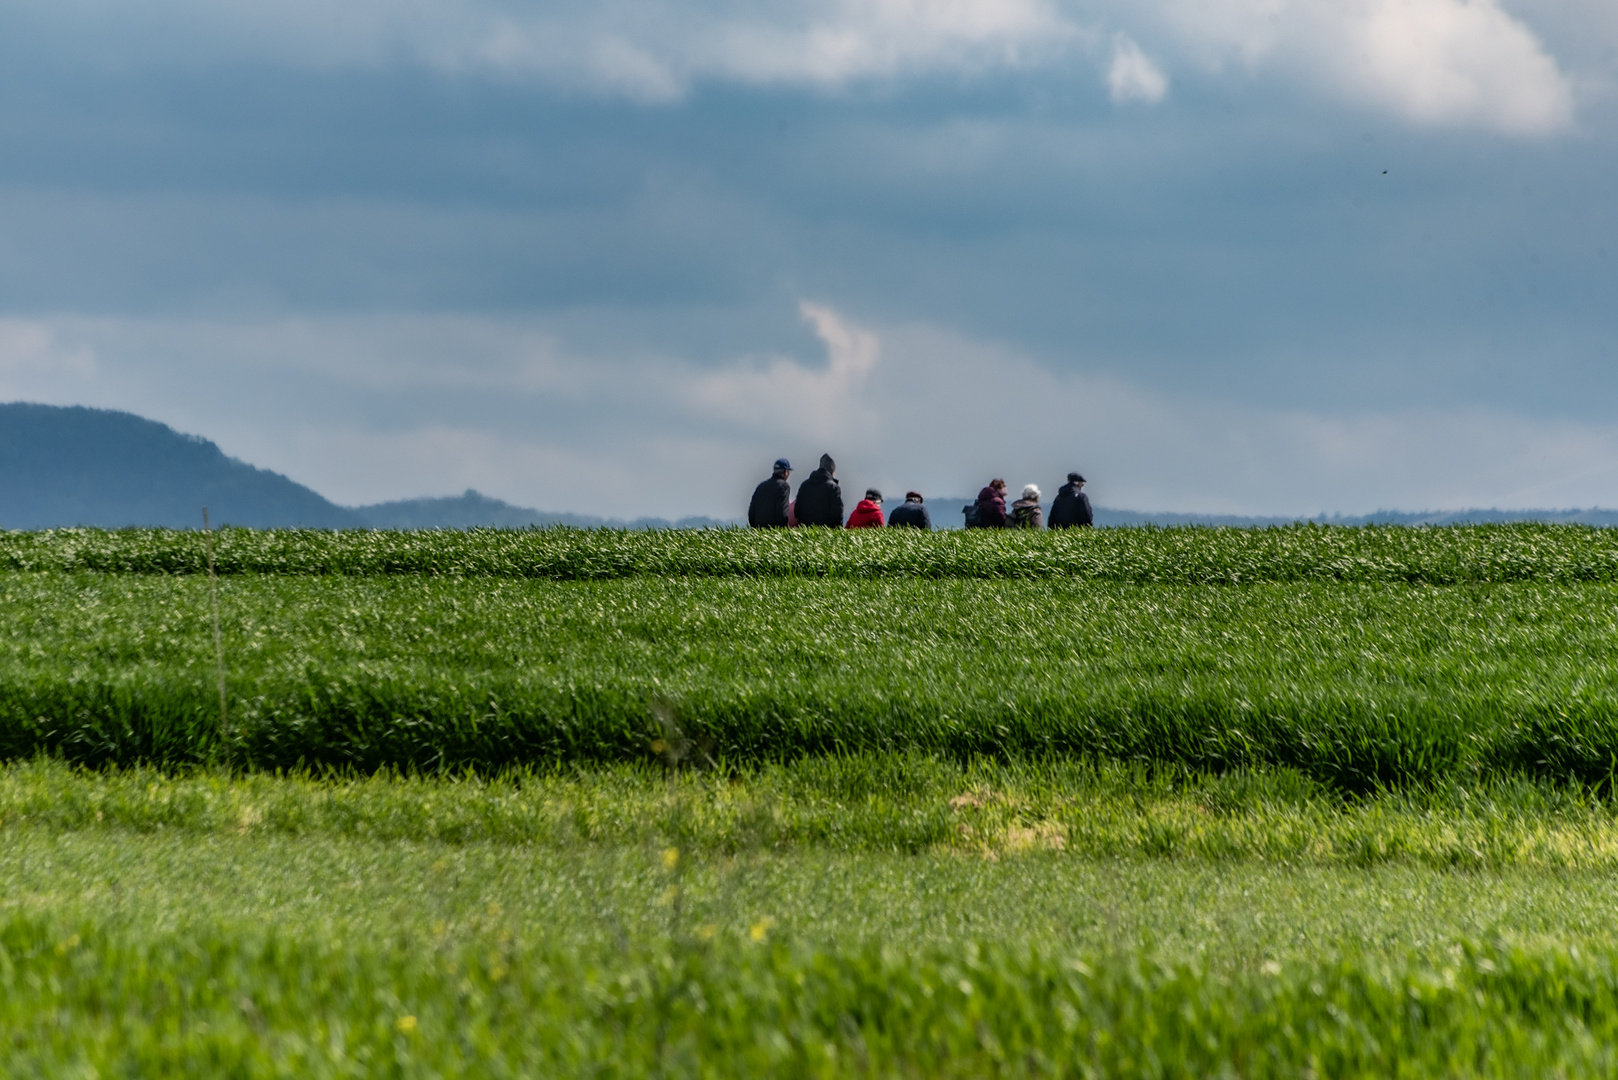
820 498
769 507
913 514
1071 510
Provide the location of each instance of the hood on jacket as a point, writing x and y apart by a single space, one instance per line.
866 515
990 493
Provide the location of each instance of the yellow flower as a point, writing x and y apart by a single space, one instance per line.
406 1024
671 858
760 928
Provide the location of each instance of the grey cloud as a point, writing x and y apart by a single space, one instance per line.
524 416
388 273
1259 254
1427 61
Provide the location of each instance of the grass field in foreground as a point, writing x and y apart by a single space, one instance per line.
1159 803
1433 556
154 935
1354 685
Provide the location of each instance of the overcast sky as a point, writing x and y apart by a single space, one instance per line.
615 256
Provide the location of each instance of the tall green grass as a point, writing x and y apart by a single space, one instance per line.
1357 686
1449 555
869 803
169 953
81 1001
219 924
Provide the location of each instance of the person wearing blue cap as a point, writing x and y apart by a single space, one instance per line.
768 510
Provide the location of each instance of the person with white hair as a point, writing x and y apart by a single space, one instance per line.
1026 512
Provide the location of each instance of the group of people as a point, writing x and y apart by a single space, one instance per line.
820 502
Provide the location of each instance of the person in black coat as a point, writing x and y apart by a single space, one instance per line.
820 498
1071 510
912 514
768 510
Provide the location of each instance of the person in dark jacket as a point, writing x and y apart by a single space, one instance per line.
992 505
768 510
912 514
820 498
1071 510
868 514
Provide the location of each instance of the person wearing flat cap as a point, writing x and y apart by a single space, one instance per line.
1071 509
768 510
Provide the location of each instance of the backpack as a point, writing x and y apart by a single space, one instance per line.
974 516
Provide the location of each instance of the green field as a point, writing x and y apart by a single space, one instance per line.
1288 802
1358 685
1191 556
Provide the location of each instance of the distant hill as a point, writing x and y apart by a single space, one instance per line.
471 509
63 466
77 466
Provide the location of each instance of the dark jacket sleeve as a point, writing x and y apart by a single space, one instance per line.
754 508
806 504
783 499
768 510
1071 508
809 502
912 515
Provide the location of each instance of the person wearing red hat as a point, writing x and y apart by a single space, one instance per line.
912 514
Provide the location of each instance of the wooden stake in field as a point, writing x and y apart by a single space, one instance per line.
218 639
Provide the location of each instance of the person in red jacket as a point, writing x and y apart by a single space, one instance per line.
868 514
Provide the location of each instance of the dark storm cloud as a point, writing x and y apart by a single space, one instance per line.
1206 205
